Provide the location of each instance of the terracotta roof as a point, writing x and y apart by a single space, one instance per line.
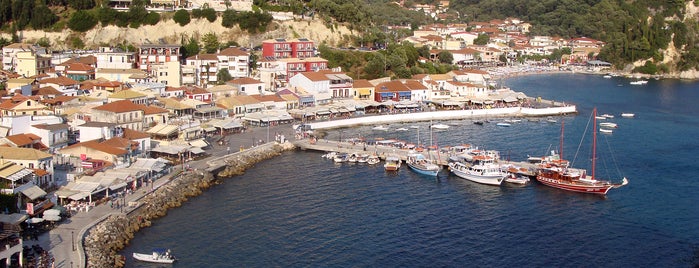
47 90
59 99
315 76
392 86
268 98
40 172
127 94
23 139
196 90
362 83
22 153
95 145
79 67
121 106
86 60
61 80
244 81
134 134
119 142
415 85
148 110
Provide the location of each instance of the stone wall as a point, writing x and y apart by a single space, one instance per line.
106 239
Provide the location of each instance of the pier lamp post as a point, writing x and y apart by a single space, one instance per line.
72 239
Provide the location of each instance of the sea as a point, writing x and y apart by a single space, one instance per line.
300 210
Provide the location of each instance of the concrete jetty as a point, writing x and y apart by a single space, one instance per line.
441 158
446 115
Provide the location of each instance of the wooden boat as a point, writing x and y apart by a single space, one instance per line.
158 256
393 163
577 180
422 165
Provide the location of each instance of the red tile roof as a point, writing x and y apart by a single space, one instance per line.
121 106
61 80
148 110
134 134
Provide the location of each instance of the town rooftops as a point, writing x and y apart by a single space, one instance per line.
23 153
53 127
244 81
361 83
148 110
134 134
61 80
121 106
97 124
127 94
233 51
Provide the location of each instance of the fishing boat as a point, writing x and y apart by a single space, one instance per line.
159 255
628 115
639 82
484 171
393 163
422 165
577 180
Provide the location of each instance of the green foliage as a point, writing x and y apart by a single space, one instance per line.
43 42
106 15
445 57
223 76
76 42
191 48
481 40
648 68
229 18
42 17
81 4
82 21
152 18
211 43
209 14
182 17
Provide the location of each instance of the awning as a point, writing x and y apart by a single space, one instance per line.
19 174
117 186
363 91
33 192
210 129
196 150
199 143
64 192
79 196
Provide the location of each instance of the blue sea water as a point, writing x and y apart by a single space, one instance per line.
299 210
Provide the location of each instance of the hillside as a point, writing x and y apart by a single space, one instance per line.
173 33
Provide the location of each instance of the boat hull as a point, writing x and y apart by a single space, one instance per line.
573 187
149 258
424 170
494 179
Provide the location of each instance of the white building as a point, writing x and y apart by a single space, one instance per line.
115 58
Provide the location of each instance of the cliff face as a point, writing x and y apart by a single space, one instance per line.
173 33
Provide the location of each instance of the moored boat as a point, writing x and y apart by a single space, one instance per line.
440 127
608 116
605 131
380 128
341 157
393 163
158 256
517 179
627 115
608 124
422 165
503 124
373 159
577 180
484 171
639 82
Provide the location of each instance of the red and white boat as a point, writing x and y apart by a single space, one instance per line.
577 180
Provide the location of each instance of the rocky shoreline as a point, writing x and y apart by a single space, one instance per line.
107 238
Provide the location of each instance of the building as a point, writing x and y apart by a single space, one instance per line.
236 61
28 158
115 58
99 130
21 105
30 63
9 55
65 85
282 48
153 55
55 136
124 113
247 86
393 90
362 90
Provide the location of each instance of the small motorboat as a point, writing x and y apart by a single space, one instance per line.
159 255
608 125
517 179
503 124
401 129
608 116
480 123
373 159
551 120
380 128
440 127
605 131
329 155
627 115
639 82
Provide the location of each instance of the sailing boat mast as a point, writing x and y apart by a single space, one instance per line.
560 145
594 140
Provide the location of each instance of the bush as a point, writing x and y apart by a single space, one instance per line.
152 18
82 21
182 17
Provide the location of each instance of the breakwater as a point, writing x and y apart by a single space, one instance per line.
447 115
104 240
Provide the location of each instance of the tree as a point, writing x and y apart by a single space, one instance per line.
481 40
82 21
182 17
223 76
229 18
42 17
81 4
209 14
211 43
152 18
445 57
191 48
107 15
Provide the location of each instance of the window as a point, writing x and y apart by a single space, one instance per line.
29 103
31 165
